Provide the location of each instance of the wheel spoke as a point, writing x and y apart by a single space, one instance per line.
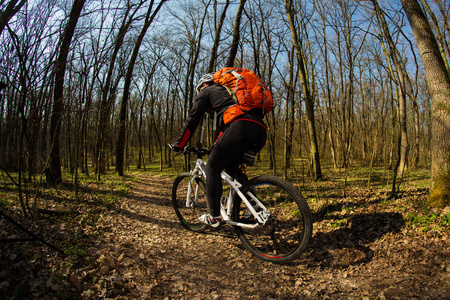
286 234
188 214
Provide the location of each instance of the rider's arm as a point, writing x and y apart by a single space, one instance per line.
201 104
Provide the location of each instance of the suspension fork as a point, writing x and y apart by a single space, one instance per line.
194 176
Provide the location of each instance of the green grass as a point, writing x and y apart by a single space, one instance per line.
75 249
3 199
356 176
337 183
340 223
430 221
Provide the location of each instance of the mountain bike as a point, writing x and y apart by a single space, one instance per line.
270 216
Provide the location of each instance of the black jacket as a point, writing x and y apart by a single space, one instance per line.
212 99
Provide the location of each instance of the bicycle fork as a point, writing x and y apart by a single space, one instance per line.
196 173
189 201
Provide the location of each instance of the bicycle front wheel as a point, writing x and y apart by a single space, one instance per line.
285 236
189 201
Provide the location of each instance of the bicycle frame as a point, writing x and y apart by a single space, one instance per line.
279 236
199 172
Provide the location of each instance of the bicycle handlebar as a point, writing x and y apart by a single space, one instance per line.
200 152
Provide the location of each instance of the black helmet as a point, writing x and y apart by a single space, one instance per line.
208 77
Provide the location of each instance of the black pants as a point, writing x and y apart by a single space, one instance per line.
238 137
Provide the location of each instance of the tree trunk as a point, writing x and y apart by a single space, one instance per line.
439 38
439 88
328 90
126 92
54 174
309 98
10 10
109 91
403 147
289 115
236 35
218 30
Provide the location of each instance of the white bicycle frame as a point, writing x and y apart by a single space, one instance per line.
261 217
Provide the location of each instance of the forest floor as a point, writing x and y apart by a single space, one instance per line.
125 242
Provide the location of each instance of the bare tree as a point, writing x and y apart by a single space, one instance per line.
439 87
123 108
54 174
402 146
217 30
290 113
320 6
309 97
7 12
236 35
351 94
109 89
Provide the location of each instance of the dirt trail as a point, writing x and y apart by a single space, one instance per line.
136 249
152 256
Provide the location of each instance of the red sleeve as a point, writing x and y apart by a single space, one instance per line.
184 139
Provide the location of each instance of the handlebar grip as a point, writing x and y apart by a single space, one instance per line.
188 149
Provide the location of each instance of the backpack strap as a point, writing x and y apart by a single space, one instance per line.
233 95
238 77
249 120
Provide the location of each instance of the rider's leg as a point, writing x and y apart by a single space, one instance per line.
236 139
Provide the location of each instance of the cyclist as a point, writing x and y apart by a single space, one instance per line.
247 132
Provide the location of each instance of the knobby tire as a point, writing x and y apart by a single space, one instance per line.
287 233
188 216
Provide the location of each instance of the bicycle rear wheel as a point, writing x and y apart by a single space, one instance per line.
286 234
188 213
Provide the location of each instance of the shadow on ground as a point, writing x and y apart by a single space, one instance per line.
349 243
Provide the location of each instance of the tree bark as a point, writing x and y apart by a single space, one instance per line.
10 10
236 35
309 98
218 30
439 88
54 174
439 38
126 92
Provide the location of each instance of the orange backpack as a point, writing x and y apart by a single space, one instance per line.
245 87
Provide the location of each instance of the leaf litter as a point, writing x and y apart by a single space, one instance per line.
363 247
